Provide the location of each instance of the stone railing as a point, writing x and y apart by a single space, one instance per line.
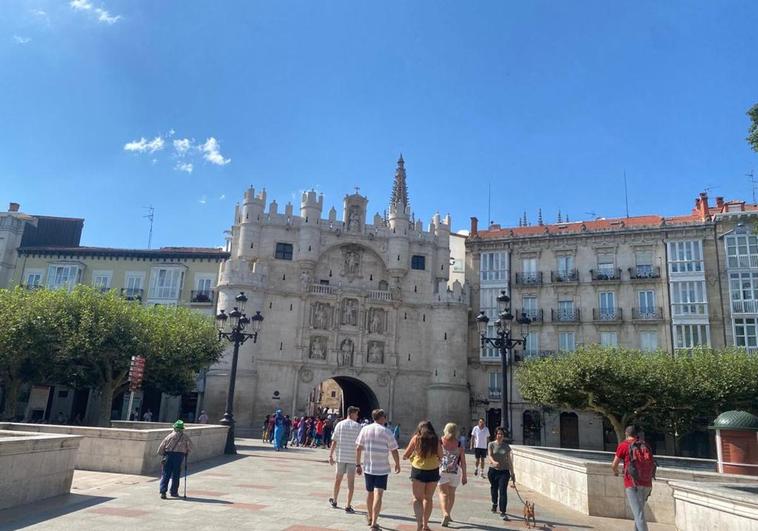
380 295
322 289
722 506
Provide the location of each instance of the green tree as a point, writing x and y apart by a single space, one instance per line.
752 137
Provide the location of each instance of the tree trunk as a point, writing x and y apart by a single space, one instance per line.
12 387
106 404
618 427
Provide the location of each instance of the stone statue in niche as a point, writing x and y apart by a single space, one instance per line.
320 315
376 321
375 352
350 312
354 219
317 350
351 266
305 279
347 348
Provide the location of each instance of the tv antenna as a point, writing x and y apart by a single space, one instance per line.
753 182
593 214
151 217
626 195
489 205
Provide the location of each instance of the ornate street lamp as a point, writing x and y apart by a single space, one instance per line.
232 327
504 342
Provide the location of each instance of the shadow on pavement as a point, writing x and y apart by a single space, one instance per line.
37 512
206 500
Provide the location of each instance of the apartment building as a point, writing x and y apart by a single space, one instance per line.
644 282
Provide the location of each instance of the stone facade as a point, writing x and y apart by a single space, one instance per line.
369 304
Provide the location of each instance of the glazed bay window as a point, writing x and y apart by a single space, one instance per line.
283 251
689 298
746 333
493 267
691 335
495 384
743 292
63 276
166 283
567 341
741 251
685 256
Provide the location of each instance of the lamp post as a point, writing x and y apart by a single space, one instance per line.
235 333
504 342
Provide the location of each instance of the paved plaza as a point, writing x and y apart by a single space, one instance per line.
277 491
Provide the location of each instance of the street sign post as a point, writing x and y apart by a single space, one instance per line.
136 374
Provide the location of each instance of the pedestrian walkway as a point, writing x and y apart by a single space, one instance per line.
278 491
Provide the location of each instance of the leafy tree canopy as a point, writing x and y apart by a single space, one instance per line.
752 136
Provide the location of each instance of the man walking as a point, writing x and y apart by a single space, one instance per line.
343 445
174 448
639 471
480 438
375 441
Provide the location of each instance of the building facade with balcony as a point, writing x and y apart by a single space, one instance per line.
367 302
645 282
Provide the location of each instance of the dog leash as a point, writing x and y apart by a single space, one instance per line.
519 495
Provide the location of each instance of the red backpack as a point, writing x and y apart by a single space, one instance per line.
642 465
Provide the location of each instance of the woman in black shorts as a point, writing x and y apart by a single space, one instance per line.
424 451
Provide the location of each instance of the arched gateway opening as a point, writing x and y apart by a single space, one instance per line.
336 394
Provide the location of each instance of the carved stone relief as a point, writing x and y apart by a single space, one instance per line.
377 321
321 315
375 352
317 349
349 312
354 219
306 375
345 355
351 266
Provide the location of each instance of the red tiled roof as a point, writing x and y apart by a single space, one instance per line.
163 252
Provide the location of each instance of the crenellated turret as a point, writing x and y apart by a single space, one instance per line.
309 238
249 219
398 247
442 236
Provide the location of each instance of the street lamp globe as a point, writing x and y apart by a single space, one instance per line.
241 300
257 321
481 323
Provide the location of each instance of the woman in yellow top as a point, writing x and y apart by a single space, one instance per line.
424 451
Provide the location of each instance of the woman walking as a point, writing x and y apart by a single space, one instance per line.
453 460
424 451
278 429
501 470
265 429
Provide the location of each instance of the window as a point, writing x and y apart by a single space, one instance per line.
532 345
609 339
283 251
649 341
496 382
685 257
691 335
493 267
63 276
644 261
166 283
567 341
743 290
529 307
565 310
33 279
688 297
565 265
741 251
606 264
647 302
746 333
418 262
488 304
607 305
102 279
458 265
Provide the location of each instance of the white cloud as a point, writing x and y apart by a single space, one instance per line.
39 12
203 200
222 197
21 40
182 146
171 132
104 16
80 5
184 166
144 146
212 152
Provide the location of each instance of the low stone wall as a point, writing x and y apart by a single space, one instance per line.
35 466
130 451
722 506
589 486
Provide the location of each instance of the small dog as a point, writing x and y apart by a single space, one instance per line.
529 515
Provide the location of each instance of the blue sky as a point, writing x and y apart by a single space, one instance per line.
550 102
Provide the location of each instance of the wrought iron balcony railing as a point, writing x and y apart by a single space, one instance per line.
201 296
132 294
647 313
564 275
605 274
644 272
529 278
562 315
534 314
606 314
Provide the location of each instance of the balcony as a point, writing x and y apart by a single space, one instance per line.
647 314
644 272
745 306
32 287
380 295
494 393
322 289
202 296
530 278
565 315
564 275
535 354
132 294
606 315
533 314
605 274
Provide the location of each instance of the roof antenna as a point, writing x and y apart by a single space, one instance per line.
150 216
626 195
489 204
753 182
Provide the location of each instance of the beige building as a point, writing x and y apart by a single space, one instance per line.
644 282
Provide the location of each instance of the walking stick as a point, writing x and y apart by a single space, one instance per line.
186 462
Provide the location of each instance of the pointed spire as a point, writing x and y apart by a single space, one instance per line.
560 218
526 221
539 217
399 188
567 218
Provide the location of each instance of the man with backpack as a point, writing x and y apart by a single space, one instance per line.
639 471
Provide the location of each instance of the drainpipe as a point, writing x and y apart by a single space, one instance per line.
721 290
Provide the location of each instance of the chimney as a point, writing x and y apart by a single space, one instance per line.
701 205
474 226
13 207
720 202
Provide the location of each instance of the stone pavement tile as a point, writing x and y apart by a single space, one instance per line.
117 511
307 528
247 506
214 493
254 486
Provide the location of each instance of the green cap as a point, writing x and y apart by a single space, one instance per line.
179 425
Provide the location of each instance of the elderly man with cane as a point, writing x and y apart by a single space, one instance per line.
173 449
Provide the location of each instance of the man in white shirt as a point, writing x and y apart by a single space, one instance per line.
376 441
480 438
343 444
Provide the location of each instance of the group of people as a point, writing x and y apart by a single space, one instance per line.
435 461
312 432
